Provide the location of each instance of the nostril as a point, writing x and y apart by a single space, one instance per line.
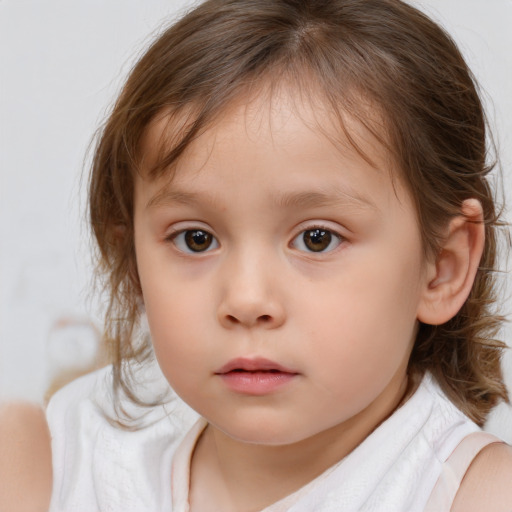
232 319
262 319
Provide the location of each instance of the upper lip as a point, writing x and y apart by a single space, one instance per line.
253 365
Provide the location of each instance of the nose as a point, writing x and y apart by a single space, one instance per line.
250 296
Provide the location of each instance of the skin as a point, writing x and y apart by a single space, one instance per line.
486 485
343 319
25 458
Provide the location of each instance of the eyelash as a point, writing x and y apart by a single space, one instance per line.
299 242
178 238
333 238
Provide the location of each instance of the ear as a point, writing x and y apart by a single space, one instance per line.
450 277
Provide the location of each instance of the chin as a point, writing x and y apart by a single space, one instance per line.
262 433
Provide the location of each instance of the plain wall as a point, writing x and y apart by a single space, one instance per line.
61 65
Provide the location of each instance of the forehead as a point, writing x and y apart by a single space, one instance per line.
272 119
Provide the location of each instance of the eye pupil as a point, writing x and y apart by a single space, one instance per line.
317 239
198 240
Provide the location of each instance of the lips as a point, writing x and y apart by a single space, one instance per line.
259 364
256 377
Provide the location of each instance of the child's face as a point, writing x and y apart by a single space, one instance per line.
281 276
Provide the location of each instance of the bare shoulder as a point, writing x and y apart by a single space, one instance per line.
487 484
25 458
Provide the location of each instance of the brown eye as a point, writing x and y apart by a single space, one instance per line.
194 241
198 240
317 240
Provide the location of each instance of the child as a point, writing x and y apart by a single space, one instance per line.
294 195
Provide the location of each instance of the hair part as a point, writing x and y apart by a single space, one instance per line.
348 54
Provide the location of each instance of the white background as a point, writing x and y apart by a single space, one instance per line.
61 65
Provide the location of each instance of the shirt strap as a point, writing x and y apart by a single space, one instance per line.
180 470
454 469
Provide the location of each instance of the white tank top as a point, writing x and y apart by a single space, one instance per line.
98 467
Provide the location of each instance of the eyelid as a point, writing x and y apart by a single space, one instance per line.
332 227
179 227
175 232
311 226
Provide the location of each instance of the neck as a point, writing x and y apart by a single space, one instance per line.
238 476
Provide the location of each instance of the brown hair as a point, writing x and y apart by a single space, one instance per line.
342 51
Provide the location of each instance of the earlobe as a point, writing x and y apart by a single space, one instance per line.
453 273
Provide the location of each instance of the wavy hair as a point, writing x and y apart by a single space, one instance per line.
348 54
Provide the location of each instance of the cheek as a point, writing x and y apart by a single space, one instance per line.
172 325
364 299
363 324
178 321
176 354
173 299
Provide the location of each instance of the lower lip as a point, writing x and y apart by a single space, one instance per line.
256 383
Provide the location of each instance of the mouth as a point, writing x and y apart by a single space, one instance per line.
256 365
256 377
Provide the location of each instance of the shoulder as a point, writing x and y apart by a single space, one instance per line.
97 465
76 412
81 388
487 483
77 402
25 458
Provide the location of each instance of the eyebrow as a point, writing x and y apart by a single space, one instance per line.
307 199
334 197
168 197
